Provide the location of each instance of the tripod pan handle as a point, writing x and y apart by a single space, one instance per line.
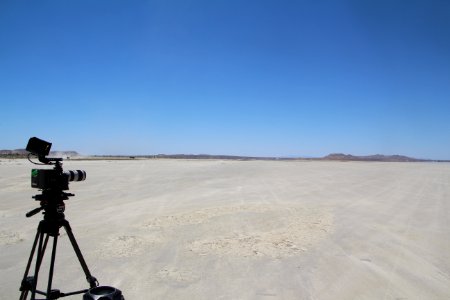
33 212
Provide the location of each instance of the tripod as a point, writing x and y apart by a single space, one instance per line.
53 206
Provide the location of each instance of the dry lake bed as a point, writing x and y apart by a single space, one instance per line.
223 229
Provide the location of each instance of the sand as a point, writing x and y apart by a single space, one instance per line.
212 229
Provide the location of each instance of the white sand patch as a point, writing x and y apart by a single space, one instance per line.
251 230
122 246
302 230
201 216
181 276
10 237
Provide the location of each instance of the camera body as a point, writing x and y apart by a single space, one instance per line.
48 179
55 179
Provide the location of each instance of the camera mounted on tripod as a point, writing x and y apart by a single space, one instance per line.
53 183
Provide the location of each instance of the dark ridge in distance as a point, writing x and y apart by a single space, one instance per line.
22 153
376 157
330 157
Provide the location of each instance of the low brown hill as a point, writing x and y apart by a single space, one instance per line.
376 157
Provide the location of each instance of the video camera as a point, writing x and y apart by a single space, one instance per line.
52 183
46 178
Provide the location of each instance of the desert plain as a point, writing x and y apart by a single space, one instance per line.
224 229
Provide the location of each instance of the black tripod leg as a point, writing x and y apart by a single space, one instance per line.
40 256
52 265
91 279
27 284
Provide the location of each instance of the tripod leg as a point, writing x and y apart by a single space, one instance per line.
40 256
52 264
91 279
27 285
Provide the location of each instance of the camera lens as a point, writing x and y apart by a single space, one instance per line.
75 175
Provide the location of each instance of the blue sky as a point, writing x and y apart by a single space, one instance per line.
263 78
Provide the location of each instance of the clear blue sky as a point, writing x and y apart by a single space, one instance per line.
278 78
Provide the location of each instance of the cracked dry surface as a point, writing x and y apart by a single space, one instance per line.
249 230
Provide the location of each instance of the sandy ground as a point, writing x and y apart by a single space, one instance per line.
211 229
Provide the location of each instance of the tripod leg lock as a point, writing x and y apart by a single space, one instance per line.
27 284
55 294
93 282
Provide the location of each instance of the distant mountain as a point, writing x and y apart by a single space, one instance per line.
209 156
333 156
14 152
24 153
376 157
